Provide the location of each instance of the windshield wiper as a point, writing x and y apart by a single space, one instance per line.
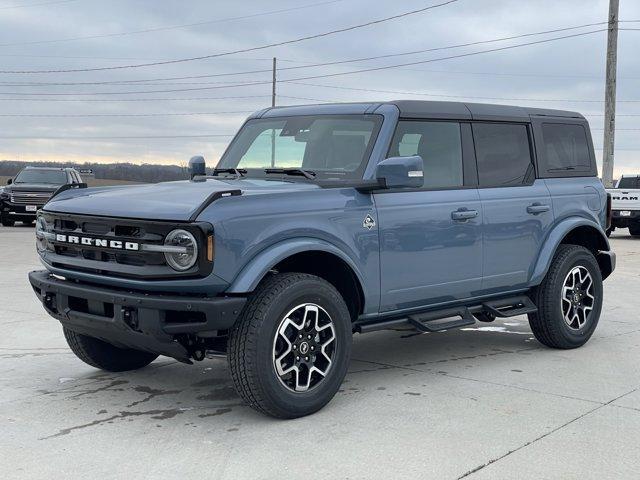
561 169
238 172
292 171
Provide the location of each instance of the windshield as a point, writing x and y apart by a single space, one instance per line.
56 177
629 182
330 146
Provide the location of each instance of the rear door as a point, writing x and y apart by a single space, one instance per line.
517 207
430 237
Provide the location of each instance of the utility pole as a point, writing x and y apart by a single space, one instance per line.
273 104
273 84
610 96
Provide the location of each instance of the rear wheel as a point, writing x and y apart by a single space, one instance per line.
634 229
290 349
569 299
105 356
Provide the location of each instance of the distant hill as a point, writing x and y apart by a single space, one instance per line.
116 172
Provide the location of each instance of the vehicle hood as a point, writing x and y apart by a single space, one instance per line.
31 187
161 201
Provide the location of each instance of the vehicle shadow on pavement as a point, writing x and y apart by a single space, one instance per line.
167 390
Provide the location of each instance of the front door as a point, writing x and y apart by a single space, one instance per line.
430 238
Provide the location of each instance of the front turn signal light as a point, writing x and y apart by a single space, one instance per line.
210 248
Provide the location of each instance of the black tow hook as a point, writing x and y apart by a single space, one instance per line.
130 317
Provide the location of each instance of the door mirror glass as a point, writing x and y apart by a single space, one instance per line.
401 172
10 181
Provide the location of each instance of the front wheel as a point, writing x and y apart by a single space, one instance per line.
569 299
289 350
7 223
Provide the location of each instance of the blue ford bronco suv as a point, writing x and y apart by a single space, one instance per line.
321 221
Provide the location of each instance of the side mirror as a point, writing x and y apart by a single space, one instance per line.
197 167
401 172
10 181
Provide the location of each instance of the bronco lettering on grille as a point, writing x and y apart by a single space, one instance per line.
97 242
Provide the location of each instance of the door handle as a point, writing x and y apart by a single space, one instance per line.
462 214
537 208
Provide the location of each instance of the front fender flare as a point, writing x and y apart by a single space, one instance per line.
554 239
251 274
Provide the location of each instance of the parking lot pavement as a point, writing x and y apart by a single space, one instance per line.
482 402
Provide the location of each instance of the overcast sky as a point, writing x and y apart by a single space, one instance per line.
566 74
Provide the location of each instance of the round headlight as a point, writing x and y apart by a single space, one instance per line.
185 255
41 231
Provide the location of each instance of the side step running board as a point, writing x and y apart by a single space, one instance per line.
455 317
510 307
441 320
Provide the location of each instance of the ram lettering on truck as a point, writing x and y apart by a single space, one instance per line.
625 205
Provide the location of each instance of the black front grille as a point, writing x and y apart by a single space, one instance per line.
30 198
117 262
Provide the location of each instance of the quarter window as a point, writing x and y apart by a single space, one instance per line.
503 154
440 146
566 147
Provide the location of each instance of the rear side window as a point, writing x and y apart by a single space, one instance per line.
566 147
440 146
503 154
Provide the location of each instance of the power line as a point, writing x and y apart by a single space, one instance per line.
330 75
171 27
250 49
132 99
331 63
85 115
399 92
136 137
26 5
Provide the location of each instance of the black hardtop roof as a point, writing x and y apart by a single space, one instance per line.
424 109
475 111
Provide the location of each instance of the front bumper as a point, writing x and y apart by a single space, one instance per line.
152 323
619 221
18 212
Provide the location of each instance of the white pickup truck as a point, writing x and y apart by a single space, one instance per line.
625 204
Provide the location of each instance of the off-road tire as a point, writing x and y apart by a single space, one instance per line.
634 230
609 231
548 324
7 223
105 356
251 344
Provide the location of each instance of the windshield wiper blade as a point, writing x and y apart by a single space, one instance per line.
561 169
292 171
238 172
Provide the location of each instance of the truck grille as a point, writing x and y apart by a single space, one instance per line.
30 198
94 259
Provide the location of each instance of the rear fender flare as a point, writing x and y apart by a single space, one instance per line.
554 239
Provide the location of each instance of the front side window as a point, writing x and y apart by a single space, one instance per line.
440 146
330 146
566 147
55 177
503 154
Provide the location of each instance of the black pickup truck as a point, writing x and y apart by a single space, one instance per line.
30 190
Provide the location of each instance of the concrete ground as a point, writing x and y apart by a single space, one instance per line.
486 402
